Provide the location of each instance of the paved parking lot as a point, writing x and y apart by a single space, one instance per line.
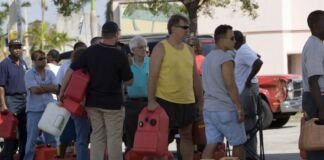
280 143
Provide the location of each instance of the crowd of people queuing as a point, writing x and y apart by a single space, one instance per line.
221 88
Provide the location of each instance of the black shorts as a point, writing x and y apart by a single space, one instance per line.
180 115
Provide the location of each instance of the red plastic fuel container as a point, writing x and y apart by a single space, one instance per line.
151 137
43 152
75 92
8 126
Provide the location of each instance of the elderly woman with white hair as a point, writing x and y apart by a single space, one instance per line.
137 92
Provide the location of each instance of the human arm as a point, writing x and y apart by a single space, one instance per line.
316 94
154 70
255 69
3 105
65 81
197 85
229 80
126 72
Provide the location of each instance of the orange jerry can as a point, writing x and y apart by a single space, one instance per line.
43 152
302 153
8 126
151 137
198 132
220 151
75 92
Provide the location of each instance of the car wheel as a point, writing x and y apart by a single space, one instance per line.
279 122
266 114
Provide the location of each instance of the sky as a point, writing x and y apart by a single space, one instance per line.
34 12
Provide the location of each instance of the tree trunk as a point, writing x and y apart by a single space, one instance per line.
192 8
109 11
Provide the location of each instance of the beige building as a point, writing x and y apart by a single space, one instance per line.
278 34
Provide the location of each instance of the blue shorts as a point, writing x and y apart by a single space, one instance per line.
223 124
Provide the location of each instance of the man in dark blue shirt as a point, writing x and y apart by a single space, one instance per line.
13 97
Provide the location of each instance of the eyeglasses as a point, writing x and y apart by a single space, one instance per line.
183 27
41 59
141 47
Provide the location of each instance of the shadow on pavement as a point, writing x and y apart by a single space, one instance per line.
283 156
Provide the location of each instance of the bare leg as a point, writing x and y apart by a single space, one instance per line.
209 151
186 142
239 151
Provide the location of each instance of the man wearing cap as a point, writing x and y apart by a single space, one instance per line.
108 68
13 97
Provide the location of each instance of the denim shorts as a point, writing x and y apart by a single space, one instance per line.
223 124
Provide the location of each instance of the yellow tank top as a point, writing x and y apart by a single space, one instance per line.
175 82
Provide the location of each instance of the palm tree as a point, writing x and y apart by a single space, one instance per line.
52 39
26 5
44 8
3 16
93 19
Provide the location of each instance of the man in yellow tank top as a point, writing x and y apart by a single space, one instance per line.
174 83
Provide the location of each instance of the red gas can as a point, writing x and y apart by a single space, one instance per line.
131 155
43 152
75 92
8 126
151 137
220 151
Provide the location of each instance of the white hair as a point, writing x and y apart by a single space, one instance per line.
135 41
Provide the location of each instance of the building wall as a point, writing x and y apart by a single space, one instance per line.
279 30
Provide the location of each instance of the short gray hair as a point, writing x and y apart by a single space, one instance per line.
135 40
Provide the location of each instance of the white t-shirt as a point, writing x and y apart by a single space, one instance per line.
61 72
54 68
244 59
216 94
313 61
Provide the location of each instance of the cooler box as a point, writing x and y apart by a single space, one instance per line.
198 132
151 137
54 119
8 126
75 92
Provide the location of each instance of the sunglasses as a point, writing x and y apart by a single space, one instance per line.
183 27
41 59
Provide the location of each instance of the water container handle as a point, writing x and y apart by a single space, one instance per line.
59 121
